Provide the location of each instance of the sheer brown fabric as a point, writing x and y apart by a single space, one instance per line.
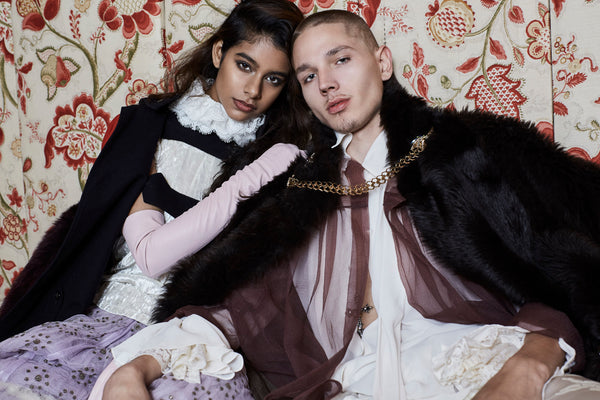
294 325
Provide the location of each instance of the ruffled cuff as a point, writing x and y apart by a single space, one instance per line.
476 358
187 348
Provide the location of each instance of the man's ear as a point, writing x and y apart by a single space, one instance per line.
386 63
217 53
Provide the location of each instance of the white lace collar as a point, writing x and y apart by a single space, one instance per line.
201 113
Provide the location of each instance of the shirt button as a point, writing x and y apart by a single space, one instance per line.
58 295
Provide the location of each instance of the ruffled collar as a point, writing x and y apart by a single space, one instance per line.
200 112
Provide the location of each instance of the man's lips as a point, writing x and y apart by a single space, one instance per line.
243 106
337 105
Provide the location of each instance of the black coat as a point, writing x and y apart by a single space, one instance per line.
66 285
493 199
66 269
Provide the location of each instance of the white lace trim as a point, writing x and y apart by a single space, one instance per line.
200 112
474 359
188 347
189 363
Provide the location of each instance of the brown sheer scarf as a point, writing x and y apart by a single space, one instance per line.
294 325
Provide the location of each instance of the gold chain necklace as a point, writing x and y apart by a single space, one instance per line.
416 149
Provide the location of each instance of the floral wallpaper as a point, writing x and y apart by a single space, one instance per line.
68 66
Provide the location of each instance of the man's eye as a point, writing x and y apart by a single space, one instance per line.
308 78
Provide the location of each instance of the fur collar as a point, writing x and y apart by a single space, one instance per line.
490 199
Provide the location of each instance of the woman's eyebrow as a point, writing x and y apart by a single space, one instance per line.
248 58
255 64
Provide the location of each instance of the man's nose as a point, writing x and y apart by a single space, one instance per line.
327 82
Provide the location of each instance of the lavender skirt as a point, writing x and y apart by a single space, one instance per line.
63 359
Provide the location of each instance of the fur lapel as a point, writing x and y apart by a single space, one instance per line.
489 198
40 259
280 219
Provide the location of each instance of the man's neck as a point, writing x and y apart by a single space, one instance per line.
360 145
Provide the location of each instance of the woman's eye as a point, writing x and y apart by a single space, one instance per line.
243 65
343 60
275 80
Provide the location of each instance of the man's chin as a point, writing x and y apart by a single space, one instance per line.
339 125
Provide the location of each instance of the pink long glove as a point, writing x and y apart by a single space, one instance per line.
157 246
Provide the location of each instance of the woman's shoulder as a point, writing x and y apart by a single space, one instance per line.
157 103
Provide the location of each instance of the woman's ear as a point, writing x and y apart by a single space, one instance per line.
386 64
217 53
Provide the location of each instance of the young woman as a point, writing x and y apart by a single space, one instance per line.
229 101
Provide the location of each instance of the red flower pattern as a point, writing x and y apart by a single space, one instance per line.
77 132
138 90
12 227
32 19
6 41
8 265
450 21
187 2
15 198
308 6
1 140
168 51
546 128
23 91
504 98
538 33
579 152
365 8
134 16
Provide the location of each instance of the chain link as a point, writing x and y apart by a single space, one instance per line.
416 149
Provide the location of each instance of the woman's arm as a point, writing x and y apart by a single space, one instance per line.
157 246
524 374
131 381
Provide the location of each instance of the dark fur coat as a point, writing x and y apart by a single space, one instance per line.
493 200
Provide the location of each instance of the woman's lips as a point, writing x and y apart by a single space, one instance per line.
243 106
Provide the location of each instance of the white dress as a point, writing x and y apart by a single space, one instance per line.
188 170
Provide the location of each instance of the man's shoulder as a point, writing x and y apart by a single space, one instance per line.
487 127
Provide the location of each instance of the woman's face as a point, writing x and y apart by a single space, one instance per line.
250 77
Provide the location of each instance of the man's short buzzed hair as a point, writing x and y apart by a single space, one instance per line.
355 25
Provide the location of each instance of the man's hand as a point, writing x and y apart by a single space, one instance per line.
524 374
130 381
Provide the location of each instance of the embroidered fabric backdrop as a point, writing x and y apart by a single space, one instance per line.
67 66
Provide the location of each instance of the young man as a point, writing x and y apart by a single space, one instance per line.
337 287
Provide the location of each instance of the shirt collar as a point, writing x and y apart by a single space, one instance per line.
376 159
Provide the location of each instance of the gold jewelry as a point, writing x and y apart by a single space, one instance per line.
417 147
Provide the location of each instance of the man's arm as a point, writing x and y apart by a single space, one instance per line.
524 374
131 381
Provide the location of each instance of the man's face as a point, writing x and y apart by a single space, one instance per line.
341 78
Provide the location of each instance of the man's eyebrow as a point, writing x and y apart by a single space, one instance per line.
329 53
337 49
